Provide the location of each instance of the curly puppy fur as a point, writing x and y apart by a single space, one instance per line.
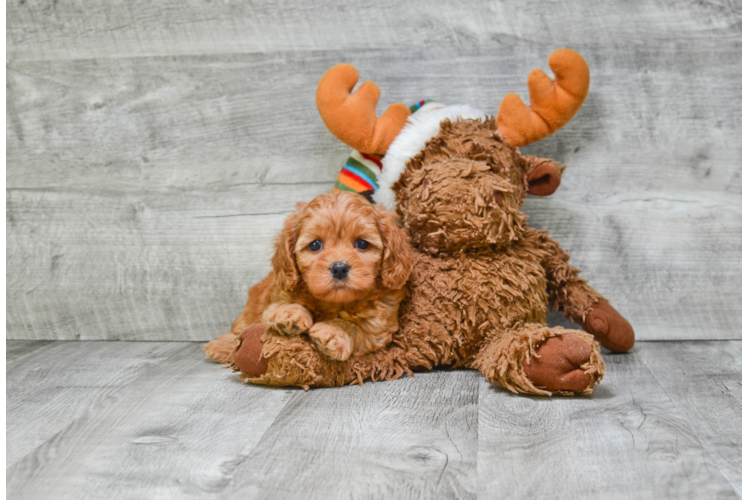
345 317
481 282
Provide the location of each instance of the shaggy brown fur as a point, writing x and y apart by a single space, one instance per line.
344 317
481 283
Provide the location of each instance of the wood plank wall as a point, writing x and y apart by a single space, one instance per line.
153 149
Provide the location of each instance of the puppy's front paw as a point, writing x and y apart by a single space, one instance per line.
291 319
331 340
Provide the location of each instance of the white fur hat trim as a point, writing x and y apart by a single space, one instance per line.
421 127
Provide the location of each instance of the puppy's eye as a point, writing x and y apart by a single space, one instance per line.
362 244
315 245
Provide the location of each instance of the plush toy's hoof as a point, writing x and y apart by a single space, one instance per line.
558 364
609 327
247 355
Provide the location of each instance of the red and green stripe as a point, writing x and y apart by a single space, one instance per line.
356 176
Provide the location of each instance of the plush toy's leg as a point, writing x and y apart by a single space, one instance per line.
611 329
536 359
247 353
221 348
580 302
243 351
267 358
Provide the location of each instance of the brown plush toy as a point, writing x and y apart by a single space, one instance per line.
482 280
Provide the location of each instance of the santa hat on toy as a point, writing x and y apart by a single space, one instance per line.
382 146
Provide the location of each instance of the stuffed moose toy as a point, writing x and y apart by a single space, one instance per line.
482 280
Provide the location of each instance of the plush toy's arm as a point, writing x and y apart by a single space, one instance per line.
567 292
580 302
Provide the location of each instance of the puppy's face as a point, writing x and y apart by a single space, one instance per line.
343 248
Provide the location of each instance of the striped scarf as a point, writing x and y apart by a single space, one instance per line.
359 174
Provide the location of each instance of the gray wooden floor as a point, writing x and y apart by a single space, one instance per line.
155 420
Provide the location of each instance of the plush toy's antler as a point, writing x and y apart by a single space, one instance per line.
552 103
352 118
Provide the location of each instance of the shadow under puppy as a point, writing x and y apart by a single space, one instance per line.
339 274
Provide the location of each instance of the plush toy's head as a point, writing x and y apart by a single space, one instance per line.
454 173
466 188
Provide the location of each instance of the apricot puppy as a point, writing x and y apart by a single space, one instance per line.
339 274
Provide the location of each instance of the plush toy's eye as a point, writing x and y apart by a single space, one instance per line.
315 245
362 244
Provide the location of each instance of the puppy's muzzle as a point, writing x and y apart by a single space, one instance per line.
339 270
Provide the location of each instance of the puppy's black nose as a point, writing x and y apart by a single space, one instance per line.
339 270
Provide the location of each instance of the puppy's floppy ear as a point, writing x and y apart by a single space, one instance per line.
284 260
397 257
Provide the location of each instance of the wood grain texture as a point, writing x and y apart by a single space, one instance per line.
166 269
157 420
44 29
51 386
152 152
213 122
627 440
18 352
410 438
179 429
704 382
743 459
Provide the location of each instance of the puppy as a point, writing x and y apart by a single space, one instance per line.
339 274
